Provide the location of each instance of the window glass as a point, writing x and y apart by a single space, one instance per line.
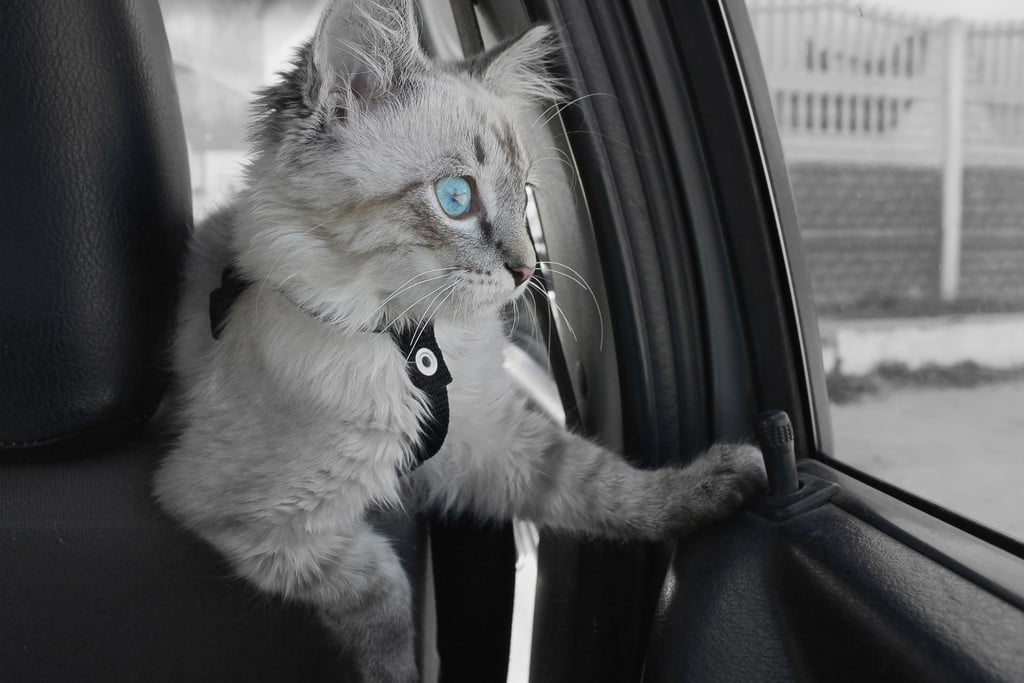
223 52
902 123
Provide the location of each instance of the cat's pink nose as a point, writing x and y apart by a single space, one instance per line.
520 273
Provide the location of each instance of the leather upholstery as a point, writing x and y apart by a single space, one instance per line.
95 583
94 215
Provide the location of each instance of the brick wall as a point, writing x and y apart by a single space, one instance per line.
872 234
992 261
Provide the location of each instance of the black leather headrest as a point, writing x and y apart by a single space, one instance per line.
95 209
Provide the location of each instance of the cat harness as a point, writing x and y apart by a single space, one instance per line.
424 362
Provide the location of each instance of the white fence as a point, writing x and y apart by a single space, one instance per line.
852 84
859 84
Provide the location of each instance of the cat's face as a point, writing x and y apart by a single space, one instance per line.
393 179
444 188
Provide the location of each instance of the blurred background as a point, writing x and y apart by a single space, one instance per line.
225 50
902 122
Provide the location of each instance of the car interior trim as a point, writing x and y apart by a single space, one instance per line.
798 334
995 569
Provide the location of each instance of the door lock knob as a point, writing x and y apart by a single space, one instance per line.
775 436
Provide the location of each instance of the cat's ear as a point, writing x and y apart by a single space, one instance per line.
519 68
361 50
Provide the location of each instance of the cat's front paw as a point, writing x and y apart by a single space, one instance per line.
726 476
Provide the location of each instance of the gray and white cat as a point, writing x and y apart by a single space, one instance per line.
385 190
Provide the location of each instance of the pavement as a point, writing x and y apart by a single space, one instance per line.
857 347
958 446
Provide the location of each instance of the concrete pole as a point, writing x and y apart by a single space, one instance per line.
953 159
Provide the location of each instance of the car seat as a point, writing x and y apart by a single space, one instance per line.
95 583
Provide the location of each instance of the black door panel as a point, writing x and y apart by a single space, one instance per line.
829 596
867 586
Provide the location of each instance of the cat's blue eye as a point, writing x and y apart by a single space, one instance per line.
455 195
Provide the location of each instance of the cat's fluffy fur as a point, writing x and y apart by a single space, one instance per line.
301 416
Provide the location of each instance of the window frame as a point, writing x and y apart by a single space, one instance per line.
895 503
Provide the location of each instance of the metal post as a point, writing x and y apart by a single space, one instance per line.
953 159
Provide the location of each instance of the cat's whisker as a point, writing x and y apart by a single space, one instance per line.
406 286
558 311
544 113
410 282
428 316
568 273
573 101
559 107
561 158
446 298
565 161
413 305
514 322
415 281
421 326
536 288
553 268
606 138
553 306
530 303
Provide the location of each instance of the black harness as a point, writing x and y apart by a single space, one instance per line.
424 362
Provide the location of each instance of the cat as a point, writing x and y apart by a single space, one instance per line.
380 230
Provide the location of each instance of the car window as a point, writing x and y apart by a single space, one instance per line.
223 52
902 123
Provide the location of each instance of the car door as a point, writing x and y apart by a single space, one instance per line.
680 253
678 211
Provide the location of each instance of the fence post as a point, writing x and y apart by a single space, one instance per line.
953 159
